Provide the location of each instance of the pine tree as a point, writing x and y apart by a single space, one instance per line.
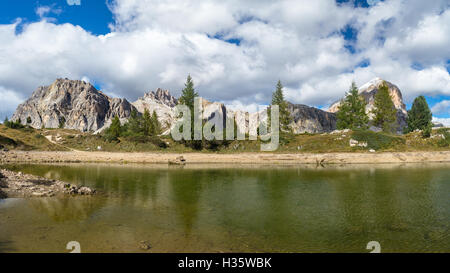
419 117
187 98
188 94
385 114
352 111
113 132
147 123
278 99
155 124
135 123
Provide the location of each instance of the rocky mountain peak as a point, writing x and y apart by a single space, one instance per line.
161 96
71 104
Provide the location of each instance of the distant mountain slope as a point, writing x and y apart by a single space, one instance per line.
308 119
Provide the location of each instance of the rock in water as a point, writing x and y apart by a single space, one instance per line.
368 91
144 245
311 120
72 105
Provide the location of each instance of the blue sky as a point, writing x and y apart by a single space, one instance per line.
93 15
235 50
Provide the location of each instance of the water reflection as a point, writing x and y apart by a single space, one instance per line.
274 208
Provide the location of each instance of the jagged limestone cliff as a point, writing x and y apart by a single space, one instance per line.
72 105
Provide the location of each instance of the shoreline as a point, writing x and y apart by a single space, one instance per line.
20 185
12 157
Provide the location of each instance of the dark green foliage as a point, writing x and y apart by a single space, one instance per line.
445 142
278 99
114 131
62 122
156 126
187 98
377 141
419 117
352 111
139 129
147 123
188 94
385 114
28 120
13 124
7 141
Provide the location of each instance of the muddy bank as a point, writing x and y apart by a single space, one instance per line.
237 158
19 185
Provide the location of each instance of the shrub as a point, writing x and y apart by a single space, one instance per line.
445 142
377 141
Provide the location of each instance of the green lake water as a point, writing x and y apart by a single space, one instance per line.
226 208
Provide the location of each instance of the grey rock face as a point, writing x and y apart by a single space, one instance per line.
161 102
308 119
76 104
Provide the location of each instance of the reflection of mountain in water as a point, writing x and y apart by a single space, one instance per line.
266 208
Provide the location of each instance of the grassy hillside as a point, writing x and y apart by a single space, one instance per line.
26 139
63 139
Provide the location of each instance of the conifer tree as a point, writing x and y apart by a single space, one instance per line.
278 99
385 114
419 117
147 123
155 124
135 123
352 111
187 98
113 132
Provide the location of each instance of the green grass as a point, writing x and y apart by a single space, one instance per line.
26 139
378 141
31 139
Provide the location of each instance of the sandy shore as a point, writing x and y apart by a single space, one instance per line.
241 158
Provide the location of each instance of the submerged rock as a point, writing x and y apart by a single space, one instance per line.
144 245
17 184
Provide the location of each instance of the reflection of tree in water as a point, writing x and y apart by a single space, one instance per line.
68 209
187 186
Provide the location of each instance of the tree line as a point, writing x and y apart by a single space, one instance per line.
138 126
352 112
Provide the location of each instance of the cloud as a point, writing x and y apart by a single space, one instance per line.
9 100
441 108
74 2
444 121
157 43
43 11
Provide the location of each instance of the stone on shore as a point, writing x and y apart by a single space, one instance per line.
17 184
178 161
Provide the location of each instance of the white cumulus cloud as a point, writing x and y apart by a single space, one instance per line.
156 43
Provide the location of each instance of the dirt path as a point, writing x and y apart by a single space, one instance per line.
238 158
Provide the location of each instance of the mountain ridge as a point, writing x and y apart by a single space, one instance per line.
76 104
